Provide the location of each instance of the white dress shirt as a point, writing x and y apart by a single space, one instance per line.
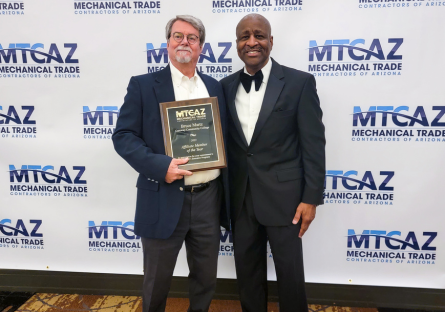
248 105
188 89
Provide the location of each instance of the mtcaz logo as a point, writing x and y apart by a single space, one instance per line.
370 4
192 114
113 236
256 6
399 123
352 187
345 57
116 7
17 122
33 60
25 234
391 247
37 180
226 244
99 123
12 8
215 65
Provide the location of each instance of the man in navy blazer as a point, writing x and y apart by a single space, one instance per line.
173 205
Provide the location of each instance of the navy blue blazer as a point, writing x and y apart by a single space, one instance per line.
138 139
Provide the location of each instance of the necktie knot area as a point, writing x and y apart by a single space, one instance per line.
246 80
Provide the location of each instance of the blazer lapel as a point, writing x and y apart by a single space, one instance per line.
273 90
164 89
233 88
210 88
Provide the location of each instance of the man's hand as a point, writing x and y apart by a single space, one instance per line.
174 173
307 213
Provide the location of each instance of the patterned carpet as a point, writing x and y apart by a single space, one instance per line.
54 302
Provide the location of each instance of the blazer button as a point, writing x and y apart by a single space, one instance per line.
181 188
249 154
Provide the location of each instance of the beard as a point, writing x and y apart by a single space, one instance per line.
180 58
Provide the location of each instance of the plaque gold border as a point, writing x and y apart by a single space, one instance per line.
221 162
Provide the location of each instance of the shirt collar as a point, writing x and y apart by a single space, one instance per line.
265 70
178 77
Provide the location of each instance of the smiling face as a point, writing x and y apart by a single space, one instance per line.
183 52
254 42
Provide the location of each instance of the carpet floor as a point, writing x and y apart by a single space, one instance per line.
54 302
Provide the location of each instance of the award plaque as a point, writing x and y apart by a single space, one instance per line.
192 129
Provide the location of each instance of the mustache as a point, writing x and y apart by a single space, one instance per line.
255 48
183 48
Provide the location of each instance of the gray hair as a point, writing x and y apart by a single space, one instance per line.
194 21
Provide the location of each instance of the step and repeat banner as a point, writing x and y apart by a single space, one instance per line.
67 199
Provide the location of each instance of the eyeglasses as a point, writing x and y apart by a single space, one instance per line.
178 37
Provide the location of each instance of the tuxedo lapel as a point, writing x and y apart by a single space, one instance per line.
273 90
233 88
164 87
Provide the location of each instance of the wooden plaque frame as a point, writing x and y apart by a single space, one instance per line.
221 154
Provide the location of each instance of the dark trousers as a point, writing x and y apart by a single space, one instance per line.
199 227
250 246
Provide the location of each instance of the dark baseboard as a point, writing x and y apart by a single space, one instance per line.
122 284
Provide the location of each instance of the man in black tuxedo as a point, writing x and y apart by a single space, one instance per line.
276 152
173 205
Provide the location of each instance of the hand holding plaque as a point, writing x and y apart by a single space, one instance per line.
192 129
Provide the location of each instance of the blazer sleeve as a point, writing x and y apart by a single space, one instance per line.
312 140
128 137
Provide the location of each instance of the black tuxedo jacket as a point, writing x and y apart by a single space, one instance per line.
285 161
138 139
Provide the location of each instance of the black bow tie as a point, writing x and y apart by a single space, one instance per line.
246 80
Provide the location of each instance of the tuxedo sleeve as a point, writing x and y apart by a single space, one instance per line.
312 140
128 138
